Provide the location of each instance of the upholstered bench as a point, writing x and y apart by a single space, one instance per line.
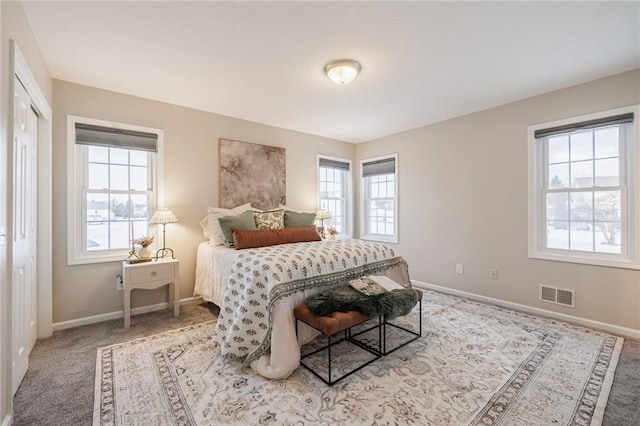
348 322
330 325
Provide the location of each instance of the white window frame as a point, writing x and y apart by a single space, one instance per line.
348 194
364 231
630 257
76 220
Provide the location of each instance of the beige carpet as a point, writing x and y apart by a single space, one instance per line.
475 364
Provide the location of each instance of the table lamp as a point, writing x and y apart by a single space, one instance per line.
163 216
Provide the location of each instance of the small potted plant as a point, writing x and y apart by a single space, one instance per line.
145 242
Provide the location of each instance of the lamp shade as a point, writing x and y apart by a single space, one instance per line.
323 214
342 71
163 216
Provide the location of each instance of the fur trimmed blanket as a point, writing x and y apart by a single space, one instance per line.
390 304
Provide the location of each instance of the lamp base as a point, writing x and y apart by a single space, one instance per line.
164 252
133 256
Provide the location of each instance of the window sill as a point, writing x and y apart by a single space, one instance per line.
90 259
380 238
621 263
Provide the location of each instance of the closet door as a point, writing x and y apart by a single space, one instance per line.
24 232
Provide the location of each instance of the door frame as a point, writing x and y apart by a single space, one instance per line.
20 68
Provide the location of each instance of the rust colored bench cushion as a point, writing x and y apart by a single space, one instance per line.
332 323
419 292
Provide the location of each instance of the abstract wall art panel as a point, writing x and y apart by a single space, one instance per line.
252 173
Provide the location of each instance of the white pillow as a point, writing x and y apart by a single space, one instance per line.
211 227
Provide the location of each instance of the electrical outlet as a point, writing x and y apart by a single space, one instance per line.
119 283
493 274
459 269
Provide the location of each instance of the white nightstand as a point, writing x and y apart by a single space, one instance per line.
150 275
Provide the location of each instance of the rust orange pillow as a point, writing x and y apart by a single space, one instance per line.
244 239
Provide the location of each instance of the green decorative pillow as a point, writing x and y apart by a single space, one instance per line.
242 221
271 219
298 219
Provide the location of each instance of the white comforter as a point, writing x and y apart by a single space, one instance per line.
213 267
264 285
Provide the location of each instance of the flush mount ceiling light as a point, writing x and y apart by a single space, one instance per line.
342 71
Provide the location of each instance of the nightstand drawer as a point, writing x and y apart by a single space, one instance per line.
152 273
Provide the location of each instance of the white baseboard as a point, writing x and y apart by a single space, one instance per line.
119 314
615 329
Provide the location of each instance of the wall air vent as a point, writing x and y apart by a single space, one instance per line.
558 296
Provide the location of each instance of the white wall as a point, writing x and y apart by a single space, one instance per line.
190 184
13 25
463 199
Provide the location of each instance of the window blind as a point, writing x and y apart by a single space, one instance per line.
379 167
88 134
605 121
334 164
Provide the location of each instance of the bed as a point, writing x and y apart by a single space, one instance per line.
257 289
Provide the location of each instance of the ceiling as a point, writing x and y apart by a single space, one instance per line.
422 62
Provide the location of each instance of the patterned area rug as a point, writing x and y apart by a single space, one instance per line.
476 364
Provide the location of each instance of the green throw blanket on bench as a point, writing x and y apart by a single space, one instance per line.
391 304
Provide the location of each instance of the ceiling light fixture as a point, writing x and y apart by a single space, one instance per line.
342 71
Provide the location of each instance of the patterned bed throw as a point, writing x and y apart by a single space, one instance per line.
262 276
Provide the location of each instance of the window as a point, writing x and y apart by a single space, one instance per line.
583 205
112 187
334 192
379 191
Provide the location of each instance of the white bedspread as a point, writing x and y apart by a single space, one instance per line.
213 267
265 284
